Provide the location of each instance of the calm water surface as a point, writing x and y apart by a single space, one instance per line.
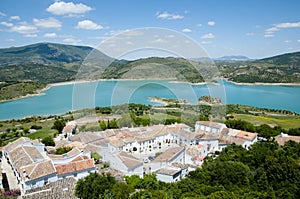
61 99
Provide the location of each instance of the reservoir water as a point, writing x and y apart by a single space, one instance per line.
61 99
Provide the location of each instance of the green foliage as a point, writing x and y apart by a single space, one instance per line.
59 125
48 141
110 124
94 186
63 150
11 90
279 69
177 68
96 156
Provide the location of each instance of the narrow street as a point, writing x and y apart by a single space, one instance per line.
11 178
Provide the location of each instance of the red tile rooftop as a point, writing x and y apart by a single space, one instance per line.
74 166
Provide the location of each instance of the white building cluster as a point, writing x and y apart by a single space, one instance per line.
34 168
168 150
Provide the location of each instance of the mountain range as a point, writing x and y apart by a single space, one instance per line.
49 63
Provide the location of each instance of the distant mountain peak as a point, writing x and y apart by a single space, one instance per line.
233 58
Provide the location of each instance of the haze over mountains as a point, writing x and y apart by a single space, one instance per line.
49 62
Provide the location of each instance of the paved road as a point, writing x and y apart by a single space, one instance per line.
12 180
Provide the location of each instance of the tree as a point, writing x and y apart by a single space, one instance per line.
48 141
63 150
59 125
103 125
121 190
96 156
95 186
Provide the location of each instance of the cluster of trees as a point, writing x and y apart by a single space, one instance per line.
48 141
266 170
59 125
242 109
109 124
263 130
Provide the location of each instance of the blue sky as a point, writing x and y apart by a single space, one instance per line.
233 27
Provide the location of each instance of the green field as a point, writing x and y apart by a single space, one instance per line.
285 122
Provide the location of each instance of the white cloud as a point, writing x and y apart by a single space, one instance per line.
30 35
159 40
211 23
15 18
6 24
186 30
199 25
88 25
169 16
47 23
68 8
208 36
249 34
24 29
287 41
50 35
298 40
280 26
268 35
72 40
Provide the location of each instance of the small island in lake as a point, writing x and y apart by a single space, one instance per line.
168 101
208 100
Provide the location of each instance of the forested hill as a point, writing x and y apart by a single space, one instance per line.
49 63
44 53
45 62
283 68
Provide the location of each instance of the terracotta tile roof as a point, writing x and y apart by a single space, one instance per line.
60 143
187 134
16 143
25 155
37 170
54 156
179 165
75 166
205 135
75 151
76 144
116 142
283 138
210 124
231 140
246 135
83 157
86 137
63 188
192 151
169 154
128 160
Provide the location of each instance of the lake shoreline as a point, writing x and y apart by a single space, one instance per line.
40 92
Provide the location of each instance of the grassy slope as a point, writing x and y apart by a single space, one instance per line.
283 121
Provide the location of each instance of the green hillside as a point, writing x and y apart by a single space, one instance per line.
46 62
278 69
159 68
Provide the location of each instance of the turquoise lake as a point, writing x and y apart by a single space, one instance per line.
61 99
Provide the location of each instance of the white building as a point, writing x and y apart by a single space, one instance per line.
34 168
